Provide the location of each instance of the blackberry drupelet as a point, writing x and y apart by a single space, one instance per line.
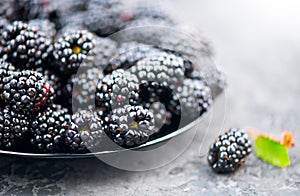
49 129
27 91
130 126
25 46
13 126
81 88
85 132
71 49
229 151
116 90
128 54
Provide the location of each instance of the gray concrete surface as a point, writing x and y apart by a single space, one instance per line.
257 44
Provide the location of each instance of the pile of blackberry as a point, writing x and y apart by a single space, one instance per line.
68 84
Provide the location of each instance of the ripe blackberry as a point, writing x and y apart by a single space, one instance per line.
81 88
49 129
27 91
44 25
229 151
116 90
195 99
163 68
13 126
128 54
71 49
130 126
25 46
85 132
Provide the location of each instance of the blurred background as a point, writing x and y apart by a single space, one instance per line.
257 44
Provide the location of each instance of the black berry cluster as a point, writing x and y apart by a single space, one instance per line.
74 76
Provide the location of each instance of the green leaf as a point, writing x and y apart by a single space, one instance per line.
271 151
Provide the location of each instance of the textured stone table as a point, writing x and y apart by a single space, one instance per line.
257 44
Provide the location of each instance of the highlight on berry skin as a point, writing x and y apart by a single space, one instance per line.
229 151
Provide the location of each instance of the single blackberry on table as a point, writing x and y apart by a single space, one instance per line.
26 91
116 90
130 126
85 132
25 46
81 88
13 126
48 129
229 151
128 54
44 25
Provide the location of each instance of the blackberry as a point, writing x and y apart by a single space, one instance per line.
44 25
85 132
82 87
13 126
195 99
116 90
27 91
229 151
163 68
71 49
128 54
130 126
49 129
25 46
